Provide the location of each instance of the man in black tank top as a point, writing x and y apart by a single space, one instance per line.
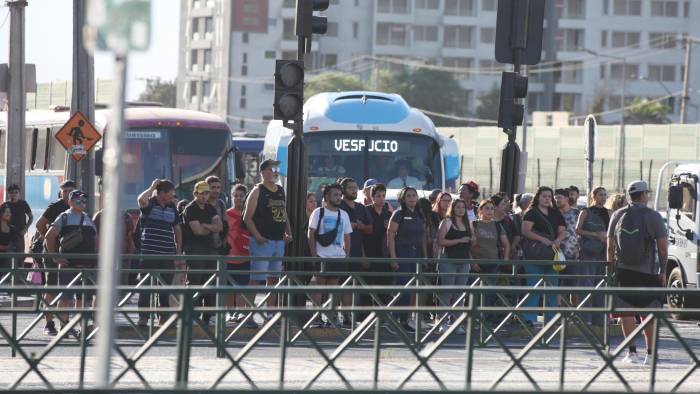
265 216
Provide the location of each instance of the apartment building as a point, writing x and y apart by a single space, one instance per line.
229 48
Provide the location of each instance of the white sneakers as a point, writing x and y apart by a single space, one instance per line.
630 358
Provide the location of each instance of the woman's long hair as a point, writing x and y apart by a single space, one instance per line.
426 210
436 205
536 200
453 216
591 197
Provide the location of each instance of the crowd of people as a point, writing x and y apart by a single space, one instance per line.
468 236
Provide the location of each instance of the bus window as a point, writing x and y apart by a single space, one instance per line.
57 154
41 147
3 135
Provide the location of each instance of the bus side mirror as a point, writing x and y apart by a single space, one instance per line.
675 197
98 161
239 165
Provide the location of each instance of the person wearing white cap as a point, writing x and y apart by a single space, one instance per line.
637 251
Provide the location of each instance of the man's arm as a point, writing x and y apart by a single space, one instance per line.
662 246
611 252
178 239
347 239
216 225
42 226
30 218
251 205
143 197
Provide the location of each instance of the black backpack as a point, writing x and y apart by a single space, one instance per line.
631 236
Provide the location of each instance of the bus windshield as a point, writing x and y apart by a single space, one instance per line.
181 155
395 159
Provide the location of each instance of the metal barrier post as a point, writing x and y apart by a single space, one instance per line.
377 351
418 297
13 302
219 329
562 352
184 339
654 354
83 328
284 321
469 363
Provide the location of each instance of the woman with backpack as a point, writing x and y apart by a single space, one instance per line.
592 227
543 228
406 238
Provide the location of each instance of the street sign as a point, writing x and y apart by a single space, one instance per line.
118 25
78 136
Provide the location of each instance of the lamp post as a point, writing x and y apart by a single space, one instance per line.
621 164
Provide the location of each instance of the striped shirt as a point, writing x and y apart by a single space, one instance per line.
158 234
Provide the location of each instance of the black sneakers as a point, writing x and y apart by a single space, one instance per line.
50 329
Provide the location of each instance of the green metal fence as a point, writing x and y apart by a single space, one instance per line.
495 326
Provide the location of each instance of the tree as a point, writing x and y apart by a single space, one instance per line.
333 81
157 90
644 111
488 104
388 81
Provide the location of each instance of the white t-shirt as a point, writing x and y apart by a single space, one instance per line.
409 181
335 249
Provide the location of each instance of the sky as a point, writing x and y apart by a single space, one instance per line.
49 44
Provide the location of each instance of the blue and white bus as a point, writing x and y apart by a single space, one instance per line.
368 135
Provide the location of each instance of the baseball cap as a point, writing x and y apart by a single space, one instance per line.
77 195
637 186
201 187
369 183
267 164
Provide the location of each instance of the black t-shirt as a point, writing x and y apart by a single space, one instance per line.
54 209
358 213
375 243
204 216
20 210
7 238
537 217
270 216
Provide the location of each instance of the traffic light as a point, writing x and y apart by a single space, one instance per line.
307 23
519 28
513 87
289 89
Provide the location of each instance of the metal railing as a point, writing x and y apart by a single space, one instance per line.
492 317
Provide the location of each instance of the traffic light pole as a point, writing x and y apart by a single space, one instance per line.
16 99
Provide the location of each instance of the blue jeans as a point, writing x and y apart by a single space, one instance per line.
534 299
268 249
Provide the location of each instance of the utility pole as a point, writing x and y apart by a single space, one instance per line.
686 78
16 99
83 100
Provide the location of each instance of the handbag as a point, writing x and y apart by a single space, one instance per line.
327 238
71 239
35 277
535 250
590 246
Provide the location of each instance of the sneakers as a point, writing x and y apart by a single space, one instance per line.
317 323
442 328
408 327
460 330
630 358
412 323
649 360
50 329
143 322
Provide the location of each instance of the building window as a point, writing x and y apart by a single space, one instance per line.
459 36
270 54
241 124
242 103
616 71
621 39
207 59
664 73
392 34
244 37
393 7
243 90
570 39
206 89
194 60
462 65
355 29
195 28
428 4
572 9
488 35
488 5
425 33
568 72
662 40
193 92
667 8
288 32
627 7
244 70
460 7
332 29
208 27
269 86
569 102
604 38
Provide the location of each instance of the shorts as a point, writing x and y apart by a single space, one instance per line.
241 278
629 278
263 269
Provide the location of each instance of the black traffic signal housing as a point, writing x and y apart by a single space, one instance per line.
289 90
510 112
519 28
307 23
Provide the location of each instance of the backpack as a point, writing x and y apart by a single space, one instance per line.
630 234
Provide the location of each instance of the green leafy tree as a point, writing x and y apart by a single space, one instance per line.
488 102
644 111
332 82
157 90
388 81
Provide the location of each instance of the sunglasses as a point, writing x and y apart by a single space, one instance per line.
80 201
